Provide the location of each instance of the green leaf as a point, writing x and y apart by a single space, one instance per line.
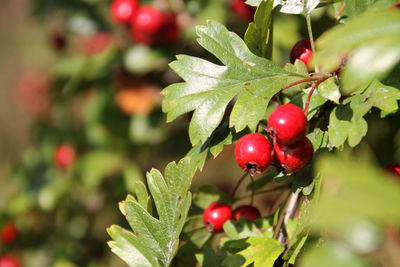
297 6
244 228
297 67
347 122
330 90
258 36
154 241
383 97
355 7
262 251
372 40
209 258
332 255
355 190
316 101
208 88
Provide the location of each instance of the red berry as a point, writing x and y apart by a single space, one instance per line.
253 152
393 169
64 156
170 29
146 25
216 215
251 213
243 10
294 157
302 51
8 261
122 11
287 124
8 233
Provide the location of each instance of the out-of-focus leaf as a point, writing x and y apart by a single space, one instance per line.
354 190
372 40
154 241
332 255
258 36
141 59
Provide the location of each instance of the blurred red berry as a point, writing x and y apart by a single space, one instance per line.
393 169
244 11
302 51
64 156
97 43
249 212
147 24
122 11
9 261
31 92
170 29
8 233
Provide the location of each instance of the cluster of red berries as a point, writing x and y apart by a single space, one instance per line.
215 215
149 25
8 234
292 150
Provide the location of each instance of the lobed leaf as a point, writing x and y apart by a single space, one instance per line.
154 241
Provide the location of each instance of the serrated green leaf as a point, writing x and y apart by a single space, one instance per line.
141 193
347 122
316 102
372 39
330 90
155 239
263 252
297 67
383 97
318 138
241 229
258 36
208 88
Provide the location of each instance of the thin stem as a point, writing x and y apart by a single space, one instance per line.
337 15
315 78
314 86
278 188
252 190
237 186
310 34
280 220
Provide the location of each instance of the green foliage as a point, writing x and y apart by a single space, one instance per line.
209 88
154 241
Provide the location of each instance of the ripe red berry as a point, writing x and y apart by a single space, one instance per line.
253 152
393 169
294 157
8 261
287 124
249 212
170 30
122 11
64 156
146 25
243 10
8 233
302 51
216 215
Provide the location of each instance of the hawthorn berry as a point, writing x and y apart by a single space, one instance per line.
8 233
9 261
287 124
253 153
294 157
170 30
244 11
122 11
64 156
147 24
215 215
393 169
249 212
302 51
